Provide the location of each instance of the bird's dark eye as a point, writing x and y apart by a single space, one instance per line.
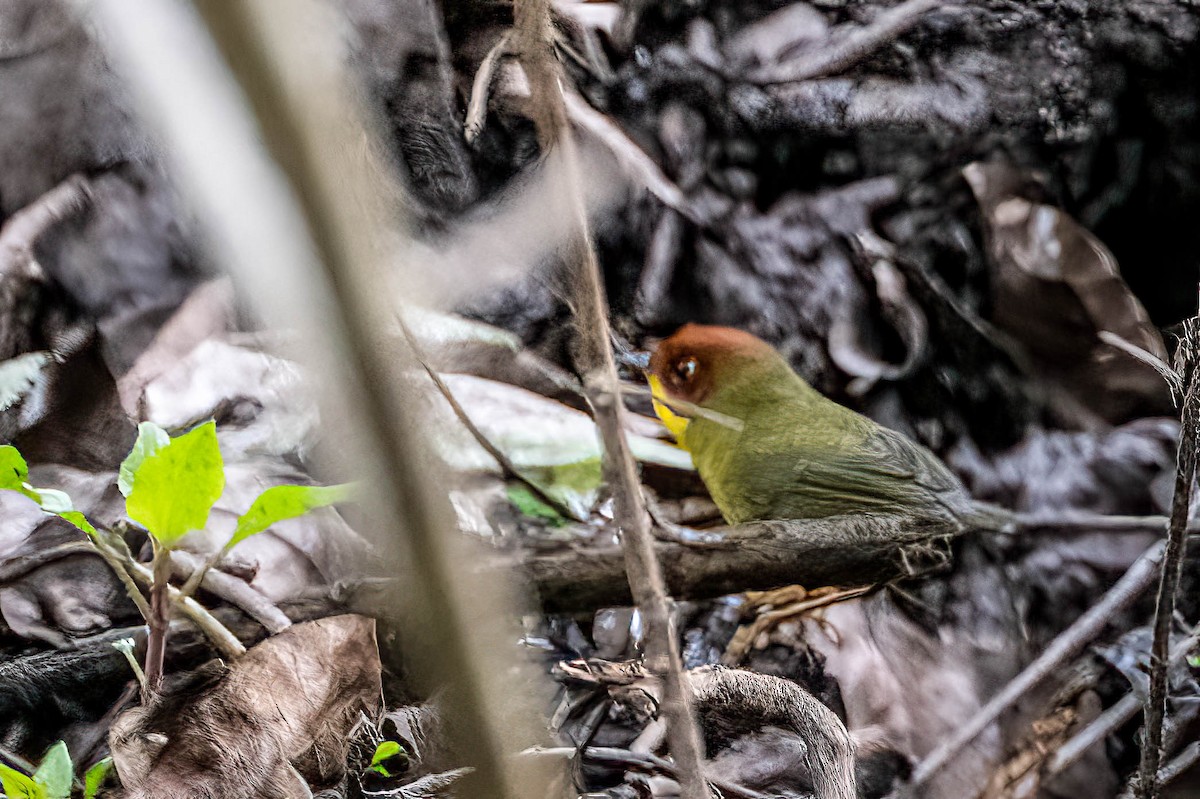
685 369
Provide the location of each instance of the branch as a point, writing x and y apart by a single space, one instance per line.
117 563
13 569
636 162
19 270
235 591
1135 581
1172 570
639 761
1189 757
844 550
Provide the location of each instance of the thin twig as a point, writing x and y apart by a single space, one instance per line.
686 408
1111 719
1132 584
117 564
225 642
23 229
1088 523
1172 570
628 153
857 45
1189 757
16 761
233 590
1103 726
1174 381
641 564
507 467
1184 761
594 359
481 89
20 272
15 568
199 574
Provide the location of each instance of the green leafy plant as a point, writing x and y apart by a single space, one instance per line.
170 486
51 780
95 777
14 475
385 751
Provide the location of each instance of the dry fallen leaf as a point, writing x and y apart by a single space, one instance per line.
269 725
1055 286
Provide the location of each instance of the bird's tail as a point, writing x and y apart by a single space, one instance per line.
989 518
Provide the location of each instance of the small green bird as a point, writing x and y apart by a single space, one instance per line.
769 446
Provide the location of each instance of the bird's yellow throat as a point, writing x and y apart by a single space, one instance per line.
675 423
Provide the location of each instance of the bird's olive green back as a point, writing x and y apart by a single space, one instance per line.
801 455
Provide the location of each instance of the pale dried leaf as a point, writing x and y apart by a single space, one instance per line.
288 706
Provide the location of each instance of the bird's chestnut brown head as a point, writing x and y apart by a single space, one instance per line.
698 359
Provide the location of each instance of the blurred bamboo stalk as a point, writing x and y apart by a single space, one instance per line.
307 239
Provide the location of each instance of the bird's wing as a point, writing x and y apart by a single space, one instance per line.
884 469
889 454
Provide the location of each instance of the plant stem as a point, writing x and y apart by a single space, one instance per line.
159 621
197 577
222 639
114 562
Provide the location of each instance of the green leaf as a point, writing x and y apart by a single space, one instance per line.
385 751
525 501
151 438
575 484
14 472
95 777
1194 661
79 520
55 772
17 786
285 502
13 469
174 487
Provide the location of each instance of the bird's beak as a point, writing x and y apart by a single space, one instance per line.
675 423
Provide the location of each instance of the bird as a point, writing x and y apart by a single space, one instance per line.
769 446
